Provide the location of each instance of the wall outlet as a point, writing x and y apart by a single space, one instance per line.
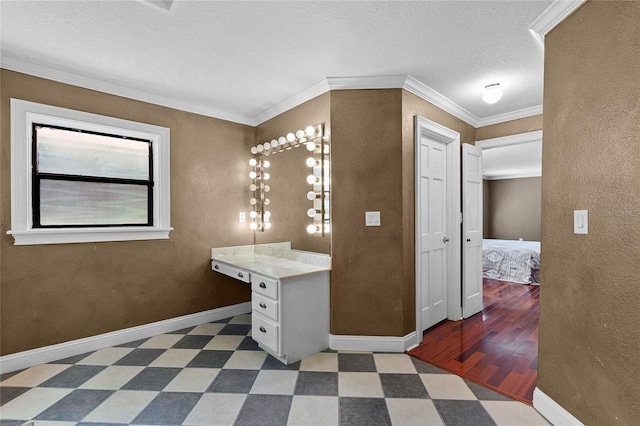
372 218
242 217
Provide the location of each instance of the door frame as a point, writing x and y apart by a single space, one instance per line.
425 127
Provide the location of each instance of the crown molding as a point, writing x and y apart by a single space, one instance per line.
30 66
518 139
509 116
551 17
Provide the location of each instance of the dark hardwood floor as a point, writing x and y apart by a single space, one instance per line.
497 348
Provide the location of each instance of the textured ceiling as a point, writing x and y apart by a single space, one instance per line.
243 57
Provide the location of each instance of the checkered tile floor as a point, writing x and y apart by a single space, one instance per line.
215 374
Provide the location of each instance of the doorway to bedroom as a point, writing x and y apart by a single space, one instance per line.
499 347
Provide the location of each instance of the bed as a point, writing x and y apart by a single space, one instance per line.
510 260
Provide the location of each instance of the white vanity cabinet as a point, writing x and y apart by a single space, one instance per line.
290 316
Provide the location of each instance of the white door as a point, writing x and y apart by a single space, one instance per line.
471 230
437 227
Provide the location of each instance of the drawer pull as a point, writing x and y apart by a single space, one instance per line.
263 305
263 285
240 275
216 266
264 330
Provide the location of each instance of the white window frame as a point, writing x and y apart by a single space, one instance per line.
23 115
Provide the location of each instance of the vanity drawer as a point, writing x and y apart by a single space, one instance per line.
265 306
265 286
265 332
233 272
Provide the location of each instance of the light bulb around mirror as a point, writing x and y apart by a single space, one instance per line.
260 148
311 195
252 187
311 146
311 162
267 225
311 212
299 134
282 140
252 175
267 201
274 143
267 188
253 214
291 137
311 179
266 164
266 176
267 214
267 146
253 201
311 229
253 162
310 131
253 225
254 150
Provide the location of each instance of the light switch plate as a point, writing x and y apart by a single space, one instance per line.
581 221
242 217
372 218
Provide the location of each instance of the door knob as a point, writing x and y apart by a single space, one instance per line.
468 240
445 240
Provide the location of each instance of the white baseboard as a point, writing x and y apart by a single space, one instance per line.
553 411
32 357
372 343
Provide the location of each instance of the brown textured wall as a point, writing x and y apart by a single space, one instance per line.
589 316
513 127
56 293
514 206
412 105
288 183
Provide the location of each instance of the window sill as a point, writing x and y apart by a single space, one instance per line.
87 235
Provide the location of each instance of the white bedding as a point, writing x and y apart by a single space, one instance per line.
510 260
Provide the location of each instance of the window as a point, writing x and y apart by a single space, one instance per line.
80 177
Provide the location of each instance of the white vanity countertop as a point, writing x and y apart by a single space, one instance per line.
273 260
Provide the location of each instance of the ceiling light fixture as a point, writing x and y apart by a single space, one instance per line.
492 93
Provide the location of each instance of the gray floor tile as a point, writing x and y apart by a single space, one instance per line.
192 342
426 368
356 362
140 357
168 408
182 331
463 413
210 359
133 344
8 393
248 344
152 379
233 381
236 329
364 411
271 363
72 359
316 383
75 406
486 394
403 386
73 376
263 410
11 422
101 424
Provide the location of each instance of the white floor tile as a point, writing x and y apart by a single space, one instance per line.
192 380
241 319
394 363
224 343
506 413
314 411
216 409
105 356
246 360
161 341
178 358
360 385
35 375
320 362
121 407
413 412
275 382
112 378
446 386
209 329
32 402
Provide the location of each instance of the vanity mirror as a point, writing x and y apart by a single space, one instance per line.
290 190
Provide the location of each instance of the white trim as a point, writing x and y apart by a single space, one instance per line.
509 116
454 288
517 139
46 354
552 16
23 114
372 343
18 63
512 176
553 411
